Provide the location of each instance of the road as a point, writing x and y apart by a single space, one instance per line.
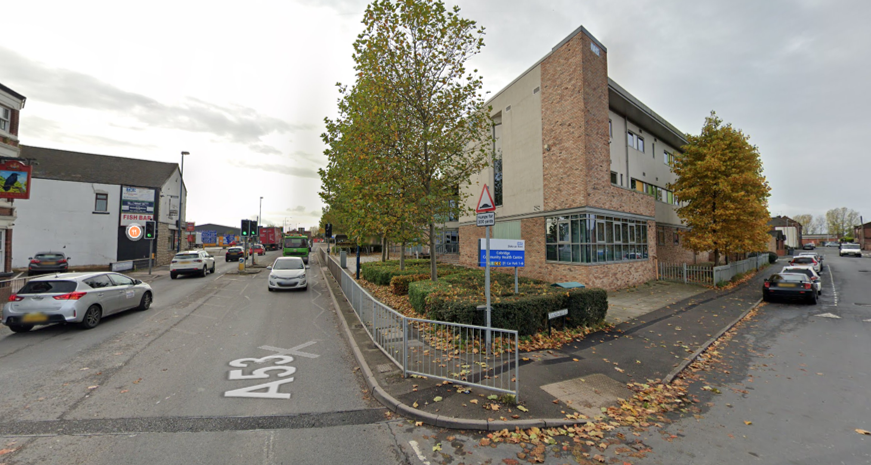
158 386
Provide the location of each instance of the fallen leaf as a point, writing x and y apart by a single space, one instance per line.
125 391
619 369
748 422
522 408
415 404
437 447
862 431
437 399
418 423
474 401
93 387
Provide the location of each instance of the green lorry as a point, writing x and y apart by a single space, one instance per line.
297 246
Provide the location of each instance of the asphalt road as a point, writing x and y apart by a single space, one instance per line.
798 373
217 371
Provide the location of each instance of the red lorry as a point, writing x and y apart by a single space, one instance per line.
271 237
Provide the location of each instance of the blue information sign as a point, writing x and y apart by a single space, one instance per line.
503 253
210 237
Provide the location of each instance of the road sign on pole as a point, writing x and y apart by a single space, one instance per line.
485 202
485 219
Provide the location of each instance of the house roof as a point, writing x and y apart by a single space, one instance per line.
63 165
221 229
12 92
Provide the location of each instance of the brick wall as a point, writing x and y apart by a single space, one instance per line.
669 252
163 246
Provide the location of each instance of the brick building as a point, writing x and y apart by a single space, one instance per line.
11 104
862 235
581 169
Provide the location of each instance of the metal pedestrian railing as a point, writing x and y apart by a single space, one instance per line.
11 286
683 273
436 349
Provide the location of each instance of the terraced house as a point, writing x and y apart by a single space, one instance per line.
580 173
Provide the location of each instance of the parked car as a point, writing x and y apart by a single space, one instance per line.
799 260
287 273
831 244
234 254
197 262
807 271
850 249
48 262
258 249
789 286
809 246
816 256
83 298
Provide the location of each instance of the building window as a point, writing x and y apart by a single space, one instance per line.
676 237
660 235
613 177
498 185
635 141
610 130
101 203
663 195
5 117
588 239
668 158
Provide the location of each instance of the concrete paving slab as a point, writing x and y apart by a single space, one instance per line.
588 394
627 304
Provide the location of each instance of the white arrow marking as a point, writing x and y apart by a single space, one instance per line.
292 351
867 321
828 315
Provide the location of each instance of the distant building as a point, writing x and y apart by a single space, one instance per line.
862 235
11 104
82 204
791 229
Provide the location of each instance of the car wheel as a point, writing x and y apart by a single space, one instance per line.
173 275
20 328
813 300
765 298
204 272
212 269
92 317
227 259
145 303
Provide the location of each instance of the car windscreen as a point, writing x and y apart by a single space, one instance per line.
187 256
803 260
48 287
850 246
49 256
288 265
804 271
234 249
294 243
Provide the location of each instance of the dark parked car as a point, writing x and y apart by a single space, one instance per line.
48 262
234 254
809 246
789 286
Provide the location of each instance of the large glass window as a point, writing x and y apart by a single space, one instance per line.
587 238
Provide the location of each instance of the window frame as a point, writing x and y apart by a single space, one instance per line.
97 198
591 239
5 119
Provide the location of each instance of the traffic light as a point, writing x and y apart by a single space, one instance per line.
150 230
246 226
252 228
328 230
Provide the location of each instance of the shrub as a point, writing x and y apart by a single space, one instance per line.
418 291
381 273
399 284
772 257
587 307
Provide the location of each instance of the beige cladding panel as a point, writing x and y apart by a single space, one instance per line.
521 149
667 214
618 146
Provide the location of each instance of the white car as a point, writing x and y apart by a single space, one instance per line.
850 249
287 273
196 262
804 260
809 272
816 256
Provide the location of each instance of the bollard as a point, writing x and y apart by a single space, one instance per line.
242 264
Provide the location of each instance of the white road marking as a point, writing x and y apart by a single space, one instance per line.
828 315
834 291
293 350
867 321
418 452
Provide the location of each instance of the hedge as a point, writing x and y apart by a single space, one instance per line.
381 273
399 284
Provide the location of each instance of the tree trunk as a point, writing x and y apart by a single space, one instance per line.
432 254
402 257
716 257
383 249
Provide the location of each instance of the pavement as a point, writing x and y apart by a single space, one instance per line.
660 328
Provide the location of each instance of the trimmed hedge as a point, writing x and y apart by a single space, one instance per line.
399 284
381 273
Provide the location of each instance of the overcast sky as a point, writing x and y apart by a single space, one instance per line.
245 86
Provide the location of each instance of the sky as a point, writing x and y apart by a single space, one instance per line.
244 87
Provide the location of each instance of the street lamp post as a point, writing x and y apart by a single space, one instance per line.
260 218
180 187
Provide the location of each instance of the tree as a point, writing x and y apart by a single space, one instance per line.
840 221
723 192
806 221
413 127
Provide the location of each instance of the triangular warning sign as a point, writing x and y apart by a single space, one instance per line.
485 203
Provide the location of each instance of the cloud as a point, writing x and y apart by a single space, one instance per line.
298 209
234 123
296 171
46 129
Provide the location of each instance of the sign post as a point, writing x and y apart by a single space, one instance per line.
486 217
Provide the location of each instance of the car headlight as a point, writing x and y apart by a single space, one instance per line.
302 276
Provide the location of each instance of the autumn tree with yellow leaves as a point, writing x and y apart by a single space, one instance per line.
723 194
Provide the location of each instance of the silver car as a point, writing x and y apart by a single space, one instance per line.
83 298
